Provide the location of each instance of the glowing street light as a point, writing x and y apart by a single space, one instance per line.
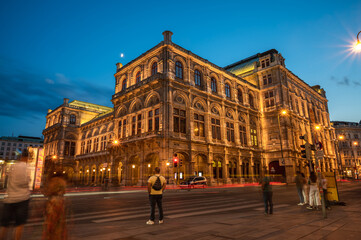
284 112
54 157
355 143
341 137
115 142
317 127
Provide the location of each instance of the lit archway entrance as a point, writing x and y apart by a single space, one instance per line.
151 161
133 170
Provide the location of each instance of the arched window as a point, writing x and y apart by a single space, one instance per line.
214 85
228 90
124 84
154 68
197 78
137 77
250 99
179 70
240 95
72 119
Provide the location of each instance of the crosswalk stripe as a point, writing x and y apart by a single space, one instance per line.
224 208
119 214
213 211
166 205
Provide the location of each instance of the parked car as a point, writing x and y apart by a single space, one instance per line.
194 182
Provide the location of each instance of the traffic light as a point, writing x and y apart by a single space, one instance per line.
180 162
306 151
175 160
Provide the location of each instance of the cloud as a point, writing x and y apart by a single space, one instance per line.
28 96
345 81
357 84
50 81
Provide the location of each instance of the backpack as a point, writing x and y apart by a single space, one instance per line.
157 185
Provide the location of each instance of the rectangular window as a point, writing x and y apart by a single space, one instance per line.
72 149
124 128
230 131
150 121
96 144
265 63
156 119
242 135
269 99
216 128
133 125
139 124
82 147
179 120
198 125
88 146
66 148
254 140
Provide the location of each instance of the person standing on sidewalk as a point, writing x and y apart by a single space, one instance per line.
305 190
324 188
267 195
299 185
16 203
156 186
314 193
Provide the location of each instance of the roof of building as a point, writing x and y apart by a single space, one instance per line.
23 139
90 106
247 65
344 123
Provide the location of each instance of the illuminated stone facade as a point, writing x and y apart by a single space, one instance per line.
349 147
221 122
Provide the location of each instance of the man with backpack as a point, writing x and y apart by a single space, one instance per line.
156 186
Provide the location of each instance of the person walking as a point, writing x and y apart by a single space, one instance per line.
267 195
156 186
55 213
299 185
314 193
324 190
16 202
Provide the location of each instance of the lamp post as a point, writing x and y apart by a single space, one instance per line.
319 176
337 140
357 46
283 113
355 171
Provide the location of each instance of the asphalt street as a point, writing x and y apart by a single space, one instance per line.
122 215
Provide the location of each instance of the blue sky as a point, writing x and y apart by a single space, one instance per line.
55 49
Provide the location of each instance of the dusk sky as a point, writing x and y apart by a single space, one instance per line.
56 49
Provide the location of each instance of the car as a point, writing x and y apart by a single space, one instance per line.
194 182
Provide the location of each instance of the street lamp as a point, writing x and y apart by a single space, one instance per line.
356 172
357 46
282 113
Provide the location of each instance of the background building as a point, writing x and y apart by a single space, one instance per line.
223 123
348 143
8 148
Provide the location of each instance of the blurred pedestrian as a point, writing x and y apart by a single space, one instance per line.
55 212
267 195
306 189
156 186
324 190
17 197
299 185
314 193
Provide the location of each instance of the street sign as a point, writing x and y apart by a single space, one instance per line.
319 154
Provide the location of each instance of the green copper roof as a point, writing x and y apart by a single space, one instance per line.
243 68
90 106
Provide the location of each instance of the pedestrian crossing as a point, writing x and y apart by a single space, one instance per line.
173 208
